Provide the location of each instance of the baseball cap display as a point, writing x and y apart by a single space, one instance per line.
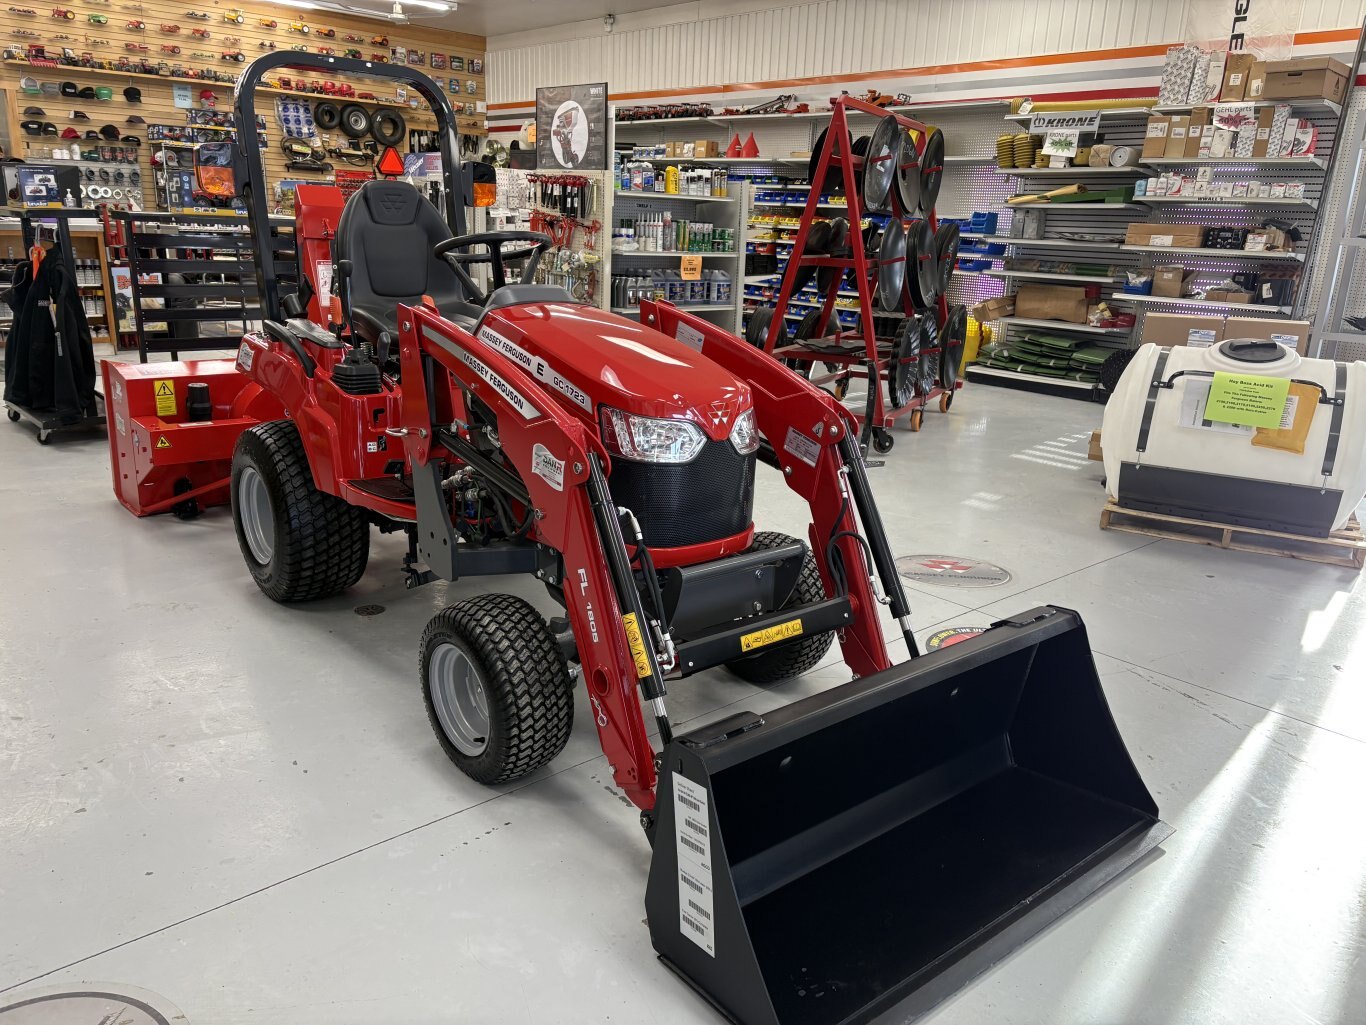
132 139
87 93
29 84
92 134
69 89
70 133
34 112
135 119
109 132
133 94
32 127
79 115
104 93
50 89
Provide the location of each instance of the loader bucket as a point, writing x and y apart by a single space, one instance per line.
884 842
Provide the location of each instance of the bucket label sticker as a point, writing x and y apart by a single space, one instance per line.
692 834
689 336
245 355
771 635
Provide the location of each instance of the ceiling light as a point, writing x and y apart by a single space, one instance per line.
303 5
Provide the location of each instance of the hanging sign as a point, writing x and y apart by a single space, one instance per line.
1046 121
571 127
180 95
1060 143
1247 399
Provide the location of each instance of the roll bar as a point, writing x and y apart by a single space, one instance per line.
458 179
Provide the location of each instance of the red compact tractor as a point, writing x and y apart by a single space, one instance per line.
817 864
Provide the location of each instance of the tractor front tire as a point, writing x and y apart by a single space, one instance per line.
299 543
791 658
496 686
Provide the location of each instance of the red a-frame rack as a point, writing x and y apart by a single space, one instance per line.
873 363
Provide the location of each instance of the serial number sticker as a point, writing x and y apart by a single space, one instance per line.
804 448
771 635
637 645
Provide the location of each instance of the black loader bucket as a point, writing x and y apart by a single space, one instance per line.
891 838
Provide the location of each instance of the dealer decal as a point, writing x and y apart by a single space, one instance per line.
245 355
516 399
547 467
771 635
804 448
637 645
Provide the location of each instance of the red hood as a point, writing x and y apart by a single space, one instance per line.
609 360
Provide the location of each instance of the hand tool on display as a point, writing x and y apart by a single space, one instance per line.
1044 197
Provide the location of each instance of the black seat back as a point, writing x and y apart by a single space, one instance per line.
388 231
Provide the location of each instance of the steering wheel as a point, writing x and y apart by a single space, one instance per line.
496 257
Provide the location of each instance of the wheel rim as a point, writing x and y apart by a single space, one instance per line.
258 518
460 700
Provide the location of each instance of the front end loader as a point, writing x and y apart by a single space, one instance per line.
872 846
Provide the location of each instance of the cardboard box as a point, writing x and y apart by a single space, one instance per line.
1051 302
1155 138
1180 236
1199 125
1294 333
994 308
1265 118
1169 280
1182 329
1236 69
1176 136
1214 78
706 148
1268 240
1256 81
1306 78
1228 295
1094 452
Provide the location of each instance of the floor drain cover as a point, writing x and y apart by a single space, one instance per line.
369 610
950 571
116 1005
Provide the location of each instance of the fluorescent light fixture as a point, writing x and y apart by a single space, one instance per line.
303 5
431 5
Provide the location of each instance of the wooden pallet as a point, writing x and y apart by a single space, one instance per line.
1346 547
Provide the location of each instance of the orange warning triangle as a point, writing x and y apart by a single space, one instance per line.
163 442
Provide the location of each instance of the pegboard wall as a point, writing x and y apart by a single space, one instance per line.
571 209
1338 211
144 58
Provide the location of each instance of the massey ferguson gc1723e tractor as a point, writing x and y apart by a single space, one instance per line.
875 845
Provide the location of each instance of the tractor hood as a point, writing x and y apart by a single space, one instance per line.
591 358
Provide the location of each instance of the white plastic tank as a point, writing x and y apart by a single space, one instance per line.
1162 454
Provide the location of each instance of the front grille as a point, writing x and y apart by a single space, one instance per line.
679 504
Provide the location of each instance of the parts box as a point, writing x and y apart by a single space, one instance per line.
1306 78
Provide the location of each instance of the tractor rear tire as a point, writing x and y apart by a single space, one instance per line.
299 543
791 658
496 686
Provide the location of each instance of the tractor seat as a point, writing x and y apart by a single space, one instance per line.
388 231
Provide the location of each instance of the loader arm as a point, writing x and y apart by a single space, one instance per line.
563 468
812 437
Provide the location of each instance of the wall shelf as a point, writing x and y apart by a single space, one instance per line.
1306 162
1111 114
1059 325
1216 254
1052 243
1223 201
1070 172
621 194
1203 303
1320 107
1039 275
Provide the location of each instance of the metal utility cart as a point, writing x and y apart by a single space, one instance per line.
35 229
908 339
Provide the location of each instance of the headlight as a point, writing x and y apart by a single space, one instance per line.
745 435
648 440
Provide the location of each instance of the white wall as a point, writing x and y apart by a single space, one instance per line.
713 42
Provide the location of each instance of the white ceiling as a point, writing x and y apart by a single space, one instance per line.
499 17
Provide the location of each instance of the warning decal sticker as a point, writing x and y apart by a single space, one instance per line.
164 390
692 833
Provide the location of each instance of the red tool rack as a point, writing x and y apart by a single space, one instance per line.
875 362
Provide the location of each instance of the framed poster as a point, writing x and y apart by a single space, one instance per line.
471 86
438 61
457 63
571 126
476 65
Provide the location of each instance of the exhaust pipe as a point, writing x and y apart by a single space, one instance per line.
890 839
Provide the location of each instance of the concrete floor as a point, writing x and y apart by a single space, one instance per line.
240 806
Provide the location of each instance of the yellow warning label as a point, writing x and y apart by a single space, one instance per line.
637 645
770 635
163 442
165 393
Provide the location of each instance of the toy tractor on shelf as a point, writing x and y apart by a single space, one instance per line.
889 837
